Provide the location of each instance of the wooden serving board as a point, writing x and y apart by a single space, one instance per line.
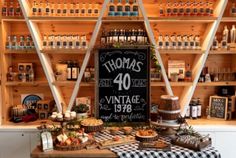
112 143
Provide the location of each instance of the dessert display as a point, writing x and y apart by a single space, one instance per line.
92 125
116 141
144 135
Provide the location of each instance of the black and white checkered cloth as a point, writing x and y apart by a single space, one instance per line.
132 151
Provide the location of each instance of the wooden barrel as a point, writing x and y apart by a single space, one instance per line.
169 109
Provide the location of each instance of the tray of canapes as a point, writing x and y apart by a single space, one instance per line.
146 135
92 125
73 141
116 141
155 145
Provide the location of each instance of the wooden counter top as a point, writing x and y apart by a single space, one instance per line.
93 153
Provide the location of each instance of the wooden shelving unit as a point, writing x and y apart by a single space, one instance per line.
206 27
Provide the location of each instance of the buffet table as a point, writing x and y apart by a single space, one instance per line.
127 151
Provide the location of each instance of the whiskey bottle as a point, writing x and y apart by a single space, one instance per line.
224 43
10 76
207 9
9 42
90 9
194 8
115 36
128 34
194 111
161 10
95 10
69 70
45 42
11 9
168 8
74 71
187 8
192 42
175 8
122 37
64 39
181 8
72 9
111 8
127 11
103 40
22 42
233 10
47 8
199 108
40 8
4 9
77 9
92 72
135 11
31 75
18 10
84 42
173 42
59 8
215 44
197 42
83 10
232 34
179 42
87 75
188 74
187 115
160 44
226 33
201 9
52 9
146 39
28 42
70 42
34 8
140 36
64 10
133 37
58 41
14 42
77 42
119 8
167 42
185 42
211 9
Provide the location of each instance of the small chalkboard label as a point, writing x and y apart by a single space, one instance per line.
123 85
218 107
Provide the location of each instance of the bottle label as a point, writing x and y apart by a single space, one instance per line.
188 74
47 10
208 11
188 10
127 8
167 44
119 8
77 11
173 44
111 8
84 44
175 10
181 10
214 43
74 73
135 8
224 43
58 43
185 44
39 10
64 43
11 10
179 44
69 73
160 44
70 43
194 111
58 11
64 11
77 44
44 43
191 44
168 11
4 10
72 11
89 11
201 10
195 10
95 11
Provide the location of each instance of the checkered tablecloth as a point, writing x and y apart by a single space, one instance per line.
132 151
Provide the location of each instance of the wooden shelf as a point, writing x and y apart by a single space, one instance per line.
62 18
181 51
228 19
24 84
183 19
12 18
222 52
22 51
225 83
64 51
72 83
123 19
205 121
174 84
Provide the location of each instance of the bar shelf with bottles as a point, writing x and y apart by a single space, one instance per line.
11 9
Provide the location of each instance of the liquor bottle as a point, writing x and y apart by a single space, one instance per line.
127 10
122 37
207 9
211 9
69 70
77 9
226 33
194 109
197 42
78 68
168 8
47 8
224 43
95 10
233 10
187 115
202 76
59 42
161 10
70 42
52 9
28 42
64 39
14 42
103 40
40 8
146 39
160 44
192 42
232 34
4 9
133 36
18 10
34 8
111 8
128 35
188 74
215 44
10 76
188 8
207 75
64 10
167 42
175 8
135 11
83 10
115 36
74 71
87 75
72 9
84 42
179 42
9 42
185 42
140 36
31 75
77 42
119 8
90 9
201 9
199 108
45 42
181 8
92 72
194 8
173 44
59 8
22 42
11 9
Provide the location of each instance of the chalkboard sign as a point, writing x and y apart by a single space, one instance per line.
123 85
218 107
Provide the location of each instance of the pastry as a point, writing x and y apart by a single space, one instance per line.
91 122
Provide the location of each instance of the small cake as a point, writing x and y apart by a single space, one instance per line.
73 114
67 115
59 117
